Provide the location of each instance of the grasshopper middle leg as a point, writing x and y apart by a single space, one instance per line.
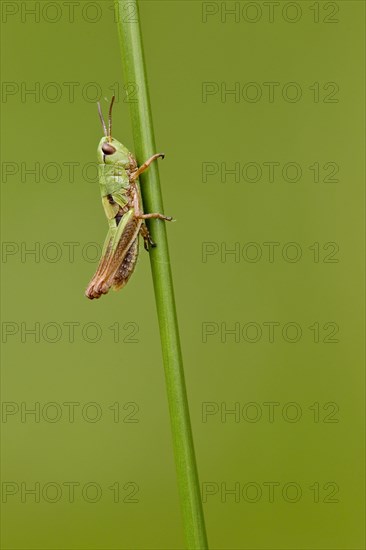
141 216
145 234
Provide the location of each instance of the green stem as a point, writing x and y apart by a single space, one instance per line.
188 483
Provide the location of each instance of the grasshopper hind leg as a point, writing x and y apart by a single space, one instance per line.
127 266
120 238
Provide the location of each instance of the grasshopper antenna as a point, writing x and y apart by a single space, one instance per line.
102 120
110 119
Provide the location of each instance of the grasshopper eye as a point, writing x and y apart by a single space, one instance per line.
108 149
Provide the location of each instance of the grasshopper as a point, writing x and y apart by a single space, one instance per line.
121 198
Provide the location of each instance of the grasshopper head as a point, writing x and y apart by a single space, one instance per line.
111 151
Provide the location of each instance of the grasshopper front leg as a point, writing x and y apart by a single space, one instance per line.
145 166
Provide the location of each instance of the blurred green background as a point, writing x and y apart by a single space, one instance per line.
285 469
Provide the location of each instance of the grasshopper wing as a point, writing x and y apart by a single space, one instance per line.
117 245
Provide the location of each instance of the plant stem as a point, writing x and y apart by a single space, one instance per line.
188 483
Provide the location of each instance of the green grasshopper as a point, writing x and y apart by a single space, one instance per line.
121 199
